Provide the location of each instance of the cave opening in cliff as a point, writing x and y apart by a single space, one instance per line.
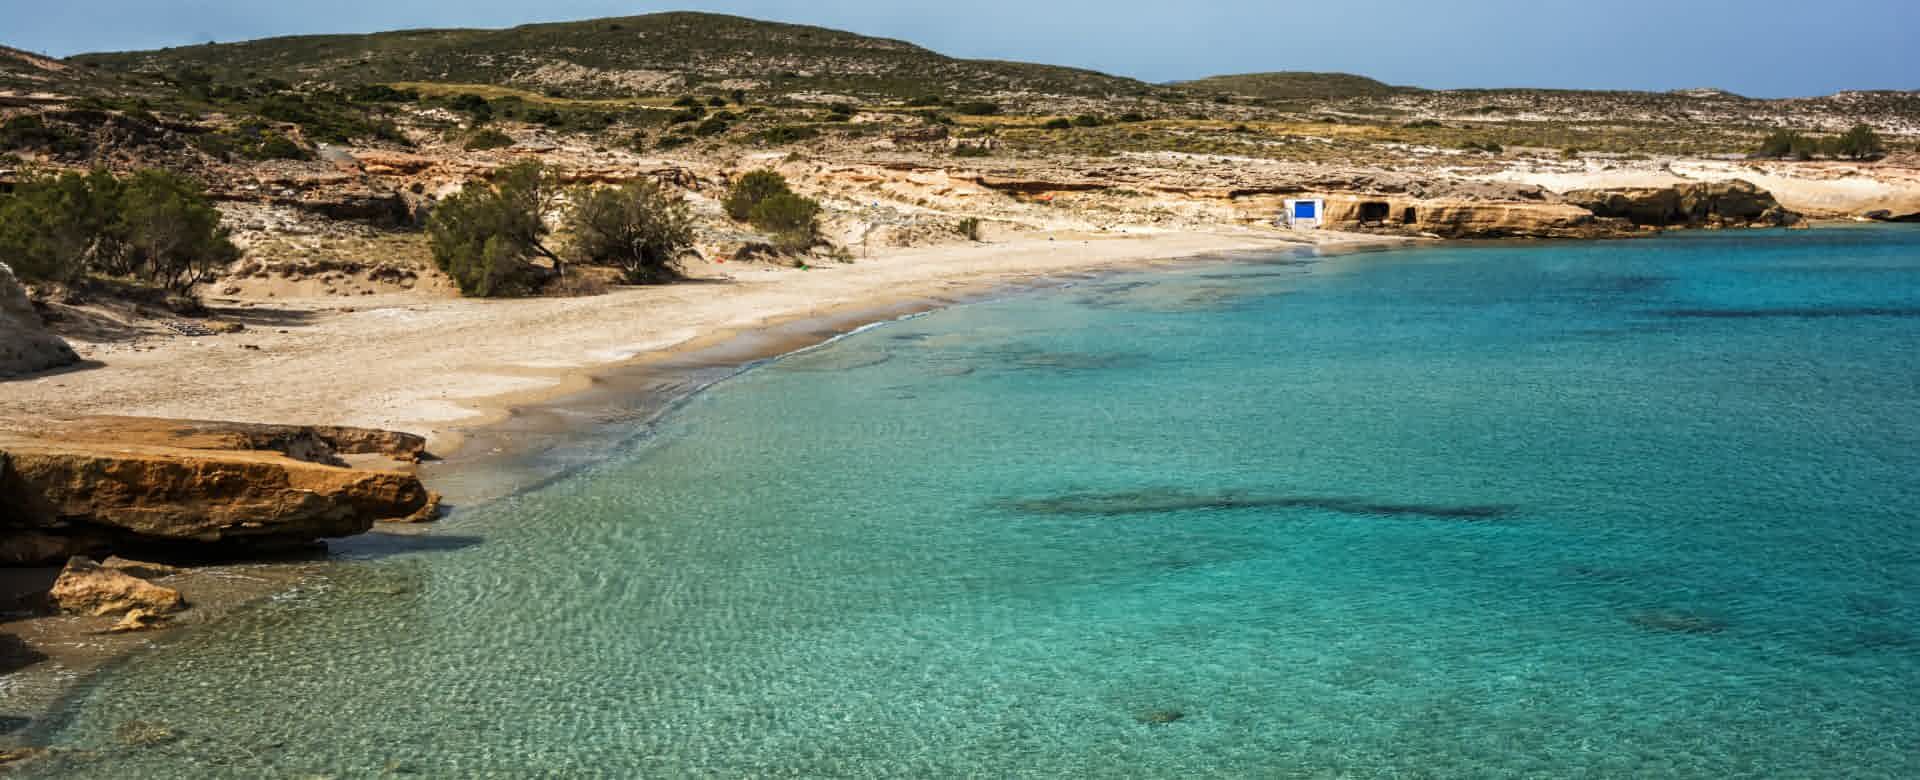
1374 212
1409 216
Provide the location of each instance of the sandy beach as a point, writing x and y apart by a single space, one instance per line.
434 365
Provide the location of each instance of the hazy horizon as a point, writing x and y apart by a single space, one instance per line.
1638 45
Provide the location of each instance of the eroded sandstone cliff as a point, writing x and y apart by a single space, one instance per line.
88 485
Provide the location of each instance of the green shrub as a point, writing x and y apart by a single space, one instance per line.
1088 120
1133 116
672 142
977 108
712 127
29 132
155 226
1789 144
1060 123
794 221
968 228
717 102
486 236
1860 143
274 146
786 134
687 115
487 138
925 101
326 117
172 233
750 190
381 93
687 101
477 109
739 97
972 150
639 228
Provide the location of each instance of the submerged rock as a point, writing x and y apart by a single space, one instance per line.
1159 717
25 345
1677 622
144 733
139 620
87 588
1163 501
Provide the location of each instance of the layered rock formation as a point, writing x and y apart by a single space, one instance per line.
83 485
1470 217
25 345
1701 204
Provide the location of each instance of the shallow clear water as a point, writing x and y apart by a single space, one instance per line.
1625 509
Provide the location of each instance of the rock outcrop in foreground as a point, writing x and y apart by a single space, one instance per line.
88 485
25 345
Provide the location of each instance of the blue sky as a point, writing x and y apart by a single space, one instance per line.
1755 47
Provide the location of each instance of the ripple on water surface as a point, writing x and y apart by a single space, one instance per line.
1550 510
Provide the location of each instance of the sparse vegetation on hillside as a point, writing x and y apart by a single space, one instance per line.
623 57
1861 142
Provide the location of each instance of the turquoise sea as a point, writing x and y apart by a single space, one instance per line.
1626 509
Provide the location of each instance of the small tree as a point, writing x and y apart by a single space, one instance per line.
750 190
486 236
639 228
56 229
793 221
1860 143
156 226
173 235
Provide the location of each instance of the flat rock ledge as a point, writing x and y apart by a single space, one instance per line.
96 485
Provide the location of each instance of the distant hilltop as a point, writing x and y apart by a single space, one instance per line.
668 53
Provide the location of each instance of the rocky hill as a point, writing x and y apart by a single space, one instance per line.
24 75
1297 85
624 57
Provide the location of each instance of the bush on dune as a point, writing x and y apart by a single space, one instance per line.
639 228
794 221
486 236
750 190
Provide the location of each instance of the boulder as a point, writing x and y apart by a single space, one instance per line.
25 345
87 588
